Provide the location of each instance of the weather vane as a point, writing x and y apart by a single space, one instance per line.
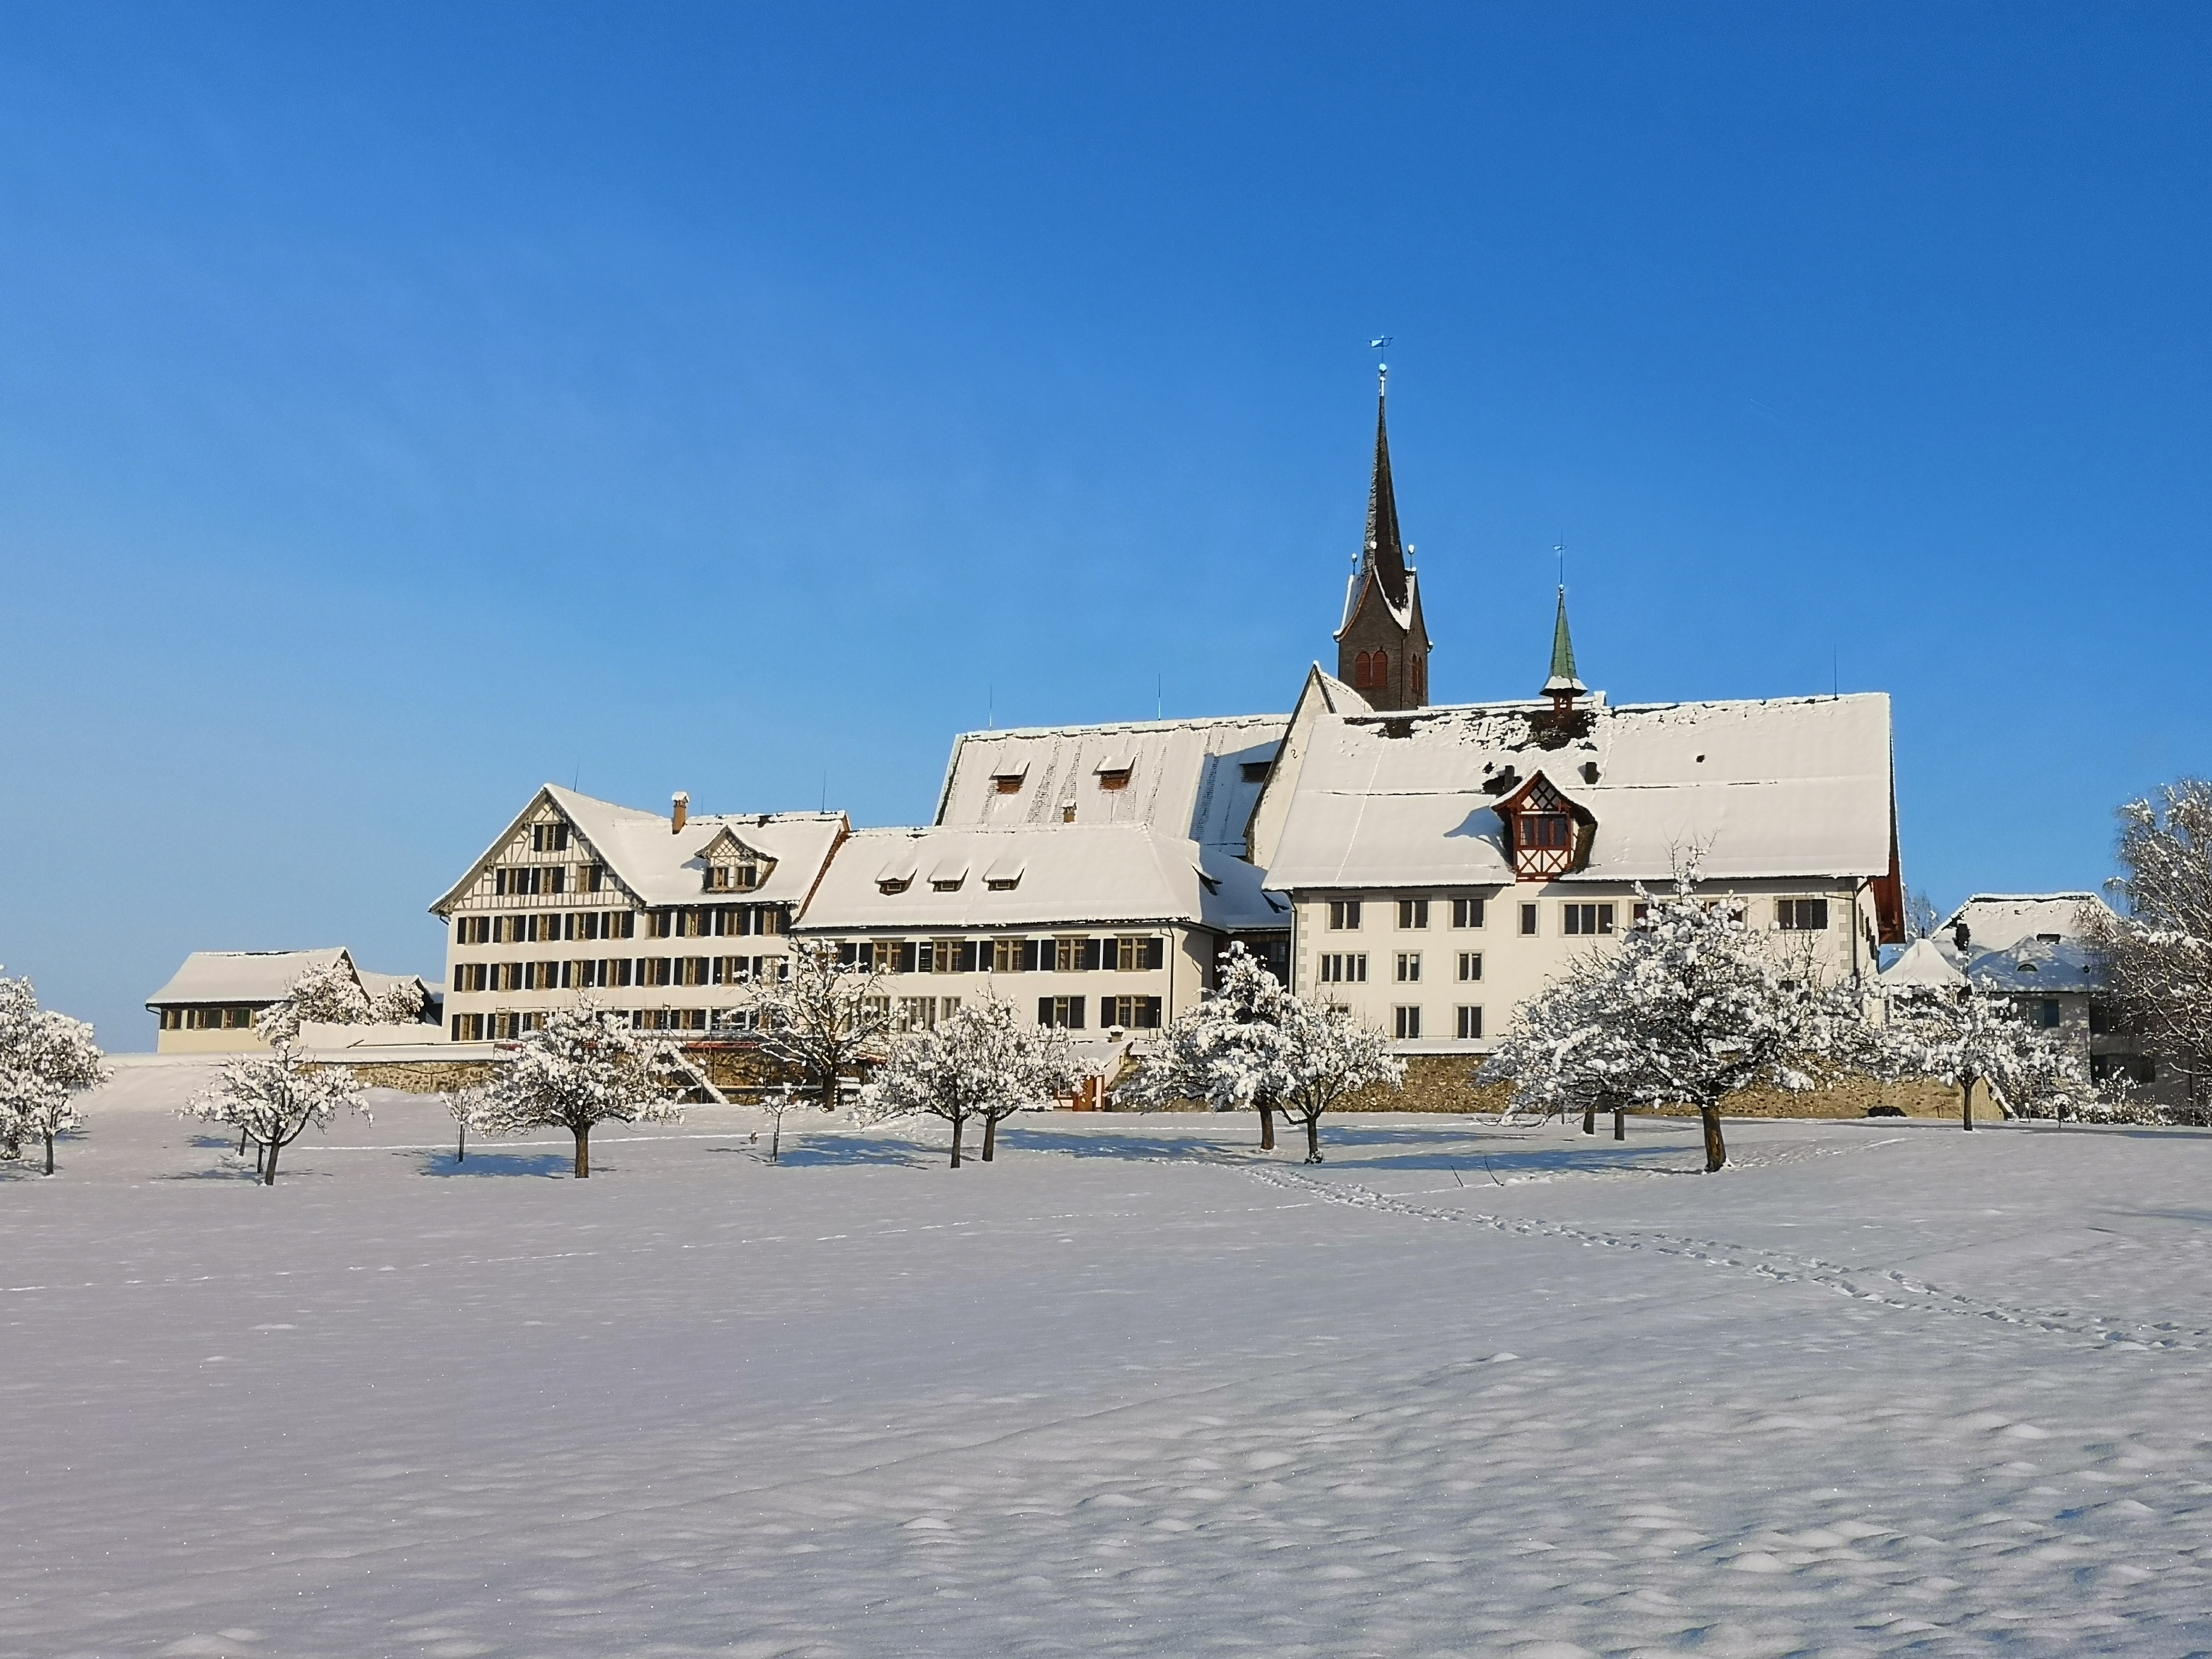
1379 346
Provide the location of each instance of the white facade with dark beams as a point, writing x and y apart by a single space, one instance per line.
664 918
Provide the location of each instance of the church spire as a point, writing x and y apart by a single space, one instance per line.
1563 687
1385 552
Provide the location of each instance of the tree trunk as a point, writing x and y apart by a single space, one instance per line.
268 1164
241 1140
1590 1117
1966 1102
461 1152
1313 1138
1620 1123
583 1152
990 1134
260 1158
775 1139
50 1154
829 1088
1716 1148
957 1124
1266 1127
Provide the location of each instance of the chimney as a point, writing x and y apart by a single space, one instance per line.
679 810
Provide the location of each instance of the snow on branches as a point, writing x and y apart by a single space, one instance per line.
1226 1052
1690 1008
982 1061
1965 1034
584 1066
2158 959
46 1060
272 1099
821 1018
1251 1043
327 995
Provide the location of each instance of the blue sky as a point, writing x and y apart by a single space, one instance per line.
403 406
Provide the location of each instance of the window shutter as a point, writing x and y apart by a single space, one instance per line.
1029 954
1075 1013
1156 953
1090 955
906 958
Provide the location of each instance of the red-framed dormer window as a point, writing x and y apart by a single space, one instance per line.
1548 835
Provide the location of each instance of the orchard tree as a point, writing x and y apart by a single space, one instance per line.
464 1105
1965 1034
584 1066
1691 1007
2158 957
982 1061
329 995
271 1099
821 1017
399 1003
47 1060
1226 1052
1324 1056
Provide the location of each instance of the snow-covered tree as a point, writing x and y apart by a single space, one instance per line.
2158 958
1966 1034
1324 1056
399 1003
46 1060
463 1105
584 1066
1226 1052
1690 1008
821 1017
780 1103
328 995
271 1099
983 1061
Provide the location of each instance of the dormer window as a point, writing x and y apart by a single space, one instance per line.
1546 833
1114 772
1003 873
728 865
1007 780
895 884
951 886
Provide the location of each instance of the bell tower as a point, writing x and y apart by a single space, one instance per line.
1382 647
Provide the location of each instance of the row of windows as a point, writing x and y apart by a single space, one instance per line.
207 1019
694 921
605 972
1131 1013
1072 955
1350 968
1576 918
531 880
1346 916
1406 1023
506 1025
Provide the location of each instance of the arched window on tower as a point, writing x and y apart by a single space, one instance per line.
1381 670
1360 671
1420 676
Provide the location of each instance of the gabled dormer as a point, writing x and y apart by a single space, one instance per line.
727 864
1548 835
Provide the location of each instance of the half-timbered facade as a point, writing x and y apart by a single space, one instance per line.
665 918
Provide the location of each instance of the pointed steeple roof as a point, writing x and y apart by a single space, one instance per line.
1563 678
1385 553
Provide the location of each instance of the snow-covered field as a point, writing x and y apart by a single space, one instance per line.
1133 1389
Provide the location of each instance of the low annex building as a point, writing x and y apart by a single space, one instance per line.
2036 946
213 1004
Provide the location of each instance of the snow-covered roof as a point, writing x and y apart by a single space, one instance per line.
659 866
2024 941
1186 777
1781 787
242 976
1922 967
1069 875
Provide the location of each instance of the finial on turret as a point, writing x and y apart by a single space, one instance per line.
1563 687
